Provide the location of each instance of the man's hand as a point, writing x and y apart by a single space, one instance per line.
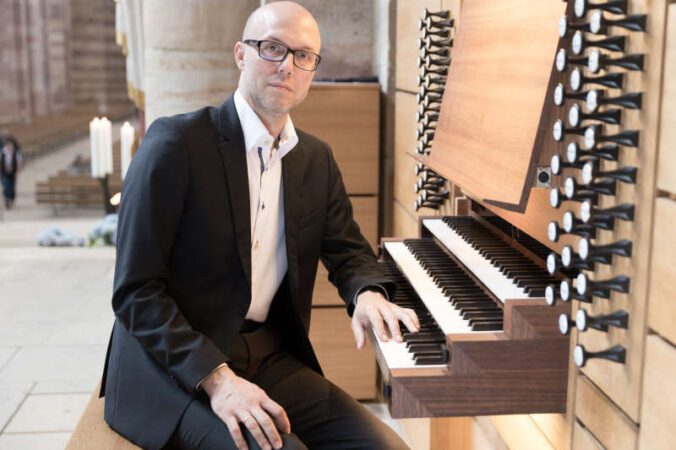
373 310
236 400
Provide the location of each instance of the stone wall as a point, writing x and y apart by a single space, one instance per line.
54 53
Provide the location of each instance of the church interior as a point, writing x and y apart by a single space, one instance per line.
510 164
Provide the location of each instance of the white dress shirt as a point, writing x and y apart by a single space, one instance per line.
268 239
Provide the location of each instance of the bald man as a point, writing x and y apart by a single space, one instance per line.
225 213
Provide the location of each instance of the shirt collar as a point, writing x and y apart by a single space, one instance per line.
255 133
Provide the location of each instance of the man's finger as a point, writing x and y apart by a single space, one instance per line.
278 414
405 317
268 427
414 316
254 428
236 433
358 332
377 323
392 322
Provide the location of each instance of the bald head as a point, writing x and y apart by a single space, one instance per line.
282 13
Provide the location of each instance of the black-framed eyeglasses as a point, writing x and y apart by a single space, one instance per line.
276 52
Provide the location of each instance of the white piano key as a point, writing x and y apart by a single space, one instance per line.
501 285
448 319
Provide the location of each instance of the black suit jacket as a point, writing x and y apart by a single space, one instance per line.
183 271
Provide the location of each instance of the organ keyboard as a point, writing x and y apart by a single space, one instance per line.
488 343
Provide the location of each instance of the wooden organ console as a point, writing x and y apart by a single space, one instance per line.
527 241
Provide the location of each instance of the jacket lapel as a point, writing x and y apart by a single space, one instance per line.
233 156
291 181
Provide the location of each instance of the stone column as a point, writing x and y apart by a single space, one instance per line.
189 59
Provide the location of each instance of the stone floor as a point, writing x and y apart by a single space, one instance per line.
55 316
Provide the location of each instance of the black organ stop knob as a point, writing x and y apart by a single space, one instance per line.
551 294
439 196
573 225
556 196
590 172
434 52
438 43
440 24
441 32
581 7
420 185
596 98
599 61
560 95
616 354
567 293
565 324
425 71
611 80
603 253
599 24
593 135
422 109
557 165
576 116
426 118
420 169
588 213
575 154
584 321
563 60
419 203
602 289
553 264
580 42
443 14
431 81
565 26
559 130
571 260
554 231
425 90
575 191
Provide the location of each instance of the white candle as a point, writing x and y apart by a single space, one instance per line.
126 143
106 147
94 146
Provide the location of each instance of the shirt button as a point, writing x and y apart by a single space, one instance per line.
256 246
263 206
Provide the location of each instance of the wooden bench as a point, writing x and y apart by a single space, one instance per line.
93 432
78 190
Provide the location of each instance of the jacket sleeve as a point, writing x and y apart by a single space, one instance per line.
346 254
151 208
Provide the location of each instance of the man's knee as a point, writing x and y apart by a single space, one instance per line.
291 442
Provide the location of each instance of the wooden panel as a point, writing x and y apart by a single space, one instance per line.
622 382
416 433
486 436
494 96
408 14
520 432
556 427
662 308
404 223
451 433
347 116
366 215
603 419
666 172
583 439
351 369
658 409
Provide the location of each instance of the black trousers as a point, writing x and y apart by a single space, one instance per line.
322 415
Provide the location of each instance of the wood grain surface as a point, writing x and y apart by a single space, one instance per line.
494 97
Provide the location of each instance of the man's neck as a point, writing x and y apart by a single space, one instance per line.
273 123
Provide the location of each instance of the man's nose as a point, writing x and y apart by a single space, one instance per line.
286 65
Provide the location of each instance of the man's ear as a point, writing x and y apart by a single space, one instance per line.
239 55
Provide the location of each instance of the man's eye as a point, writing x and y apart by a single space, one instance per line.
304 56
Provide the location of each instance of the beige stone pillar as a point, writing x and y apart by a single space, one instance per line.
189 60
